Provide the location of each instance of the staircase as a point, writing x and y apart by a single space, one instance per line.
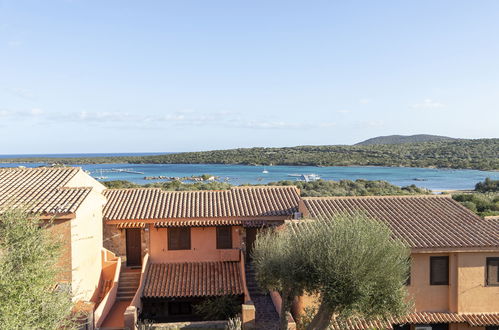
128 284
266 316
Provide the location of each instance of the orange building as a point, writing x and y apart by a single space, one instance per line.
454 281
74 202
189 245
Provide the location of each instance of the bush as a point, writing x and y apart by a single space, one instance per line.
218 308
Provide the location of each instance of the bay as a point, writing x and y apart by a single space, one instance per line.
435 179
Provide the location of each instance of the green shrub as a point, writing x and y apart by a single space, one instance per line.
218 308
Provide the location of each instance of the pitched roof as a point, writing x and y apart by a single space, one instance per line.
40 189
474 320
146 203
193 279
423 221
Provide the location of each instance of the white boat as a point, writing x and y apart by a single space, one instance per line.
101 177
310 177
265 171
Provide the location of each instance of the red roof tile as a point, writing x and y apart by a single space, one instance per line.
423 221
475 320
157 204
40 190
193 279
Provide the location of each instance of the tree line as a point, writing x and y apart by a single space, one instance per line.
482 154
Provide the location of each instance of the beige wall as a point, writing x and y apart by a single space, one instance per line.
203 246
466 293
82 179
86 244
473 294
426 297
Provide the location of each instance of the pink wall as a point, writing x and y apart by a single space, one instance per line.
203 246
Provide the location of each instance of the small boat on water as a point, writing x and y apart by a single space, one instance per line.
265 171
309 177
101 177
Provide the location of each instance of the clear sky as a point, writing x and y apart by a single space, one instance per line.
138 76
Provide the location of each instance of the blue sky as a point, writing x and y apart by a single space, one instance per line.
139 76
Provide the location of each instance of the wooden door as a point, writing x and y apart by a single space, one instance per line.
133 247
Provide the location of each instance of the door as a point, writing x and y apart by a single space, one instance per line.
133 247
250 239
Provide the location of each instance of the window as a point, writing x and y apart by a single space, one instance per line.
179 238
180 308
224 237
493 271
439 270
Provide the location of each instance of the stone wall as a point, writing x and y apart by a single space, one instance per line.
115 240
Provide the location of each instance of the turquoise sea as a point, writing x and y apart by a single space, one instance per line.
435 179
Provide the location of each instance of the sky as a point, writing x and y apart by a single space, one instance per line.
82 76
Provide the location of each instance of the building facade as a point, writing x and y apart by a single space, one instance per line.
454 258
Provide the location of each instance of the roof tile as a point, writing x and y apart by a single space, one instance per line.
193 279
41 190
146 203
424 221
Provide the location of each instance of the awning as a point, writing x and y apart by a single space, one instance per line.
193 279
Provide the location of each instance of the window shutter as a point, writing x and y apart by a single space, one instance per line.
224 237
439 270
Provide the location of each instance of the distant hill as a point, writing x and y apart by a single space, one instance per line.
480 154
398 139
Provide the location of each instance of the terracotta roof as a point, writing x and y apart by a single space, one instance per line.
423 221
474 320
41 189
193 279
144 203
482 320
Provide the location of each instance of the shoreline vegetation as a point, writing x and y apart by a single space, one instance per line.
319 188
483 200
479 154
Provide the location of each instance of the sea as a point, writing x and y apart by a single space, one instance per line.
434 179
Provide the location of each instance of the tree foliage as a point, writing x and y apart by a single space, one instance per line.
28 270
488 185
218 308
318 188
350 262
359 187
480 154
483 204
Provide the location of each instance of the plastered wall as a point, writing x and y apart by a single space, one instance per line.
86 244
203 246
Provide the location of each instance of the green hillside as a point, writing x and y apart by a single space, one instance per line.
397 139
474 154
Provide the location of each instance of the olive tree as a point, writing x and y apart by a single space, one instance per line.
351 263
28 270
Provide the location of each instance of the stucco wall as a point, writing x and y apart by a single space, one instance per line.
428 298
61 230
203 246
466 293
86 244
474 295
82 179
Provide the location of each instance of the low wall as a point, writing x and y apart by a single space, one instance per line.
132 312
277 301
190 325
111 269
